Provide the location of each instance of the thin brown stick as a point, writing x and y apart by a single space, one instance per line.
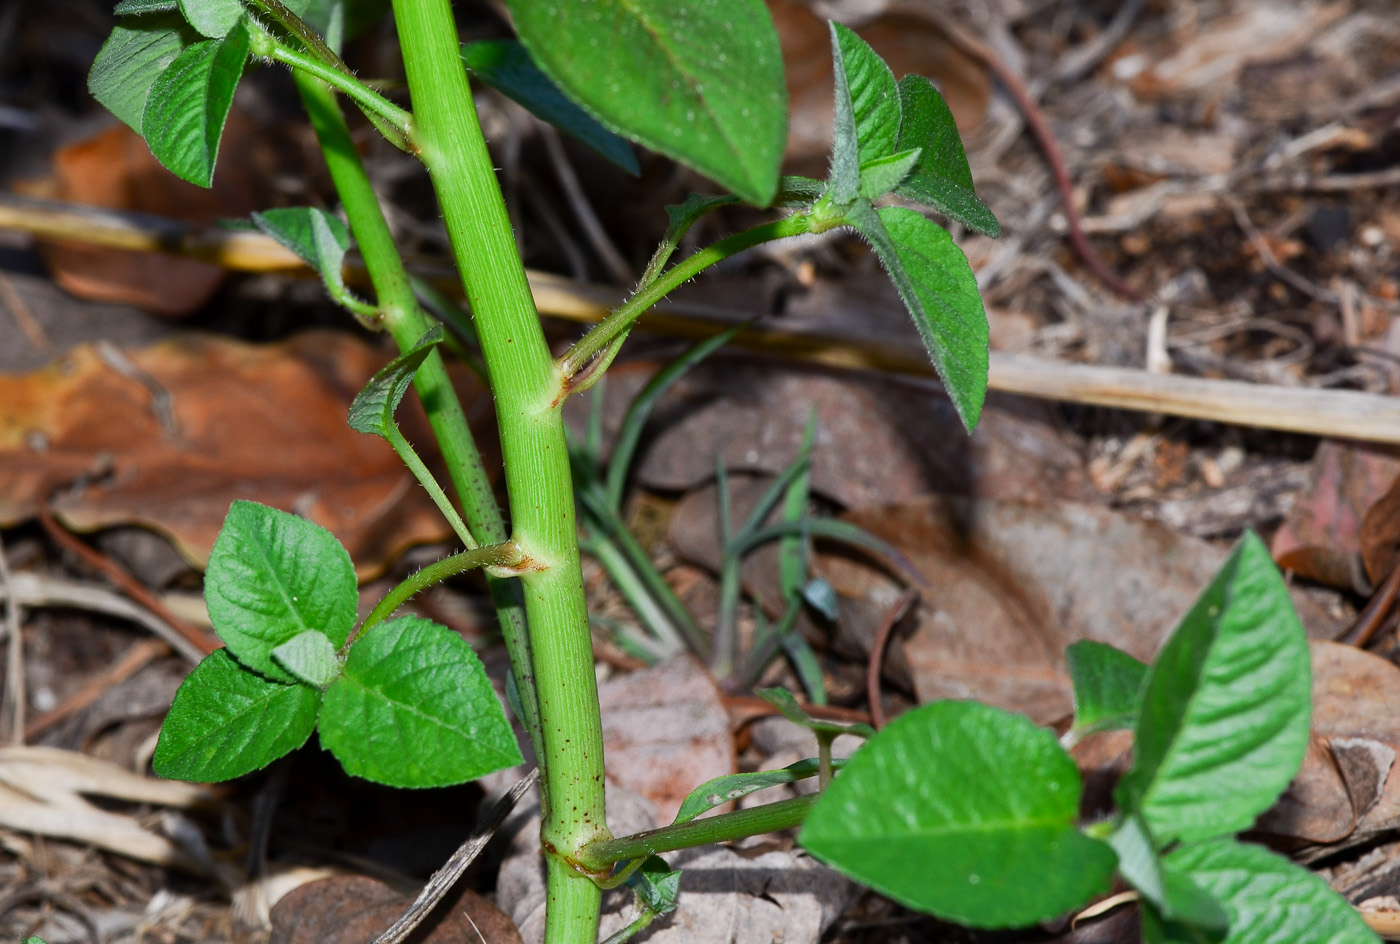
118 575
1373 614
875 667
1045 137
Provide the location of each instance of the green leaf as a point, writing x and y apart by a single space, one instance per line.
320 239
508 68
189 103
373 408
701 81
883 174
722 790
212 18
310 657
798 191
1223 720
139 7
1269 899
134 56
965 811
227 721
1106 686
783 700
273 576
940 292
941 178
1173 894
870 84
657 885
414 708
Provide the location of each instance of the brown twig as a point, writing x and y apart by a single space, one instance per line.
118 575
875 666
1369 620
1045 137
132 661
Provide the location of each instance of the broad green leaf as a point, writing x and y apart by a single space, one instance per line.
508 68
188 104
1106 685
213 18
139 7
783 700
227 721
321 240
700 81
1223 719
883 174
273 576
1269 899
941 178
940 292
1173 894
373 408
722 790
965 811
310 657
874 96
134 56
414 708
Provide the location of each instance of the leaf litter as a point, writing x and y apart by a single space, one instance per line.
1032 533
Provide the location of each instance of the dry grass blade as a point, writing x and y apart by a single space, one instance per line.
444 878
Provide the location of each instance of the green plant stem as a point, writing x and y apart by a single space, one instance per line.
505 554
698 832
528 390
406 323
621 320
425 478
367 98
298 27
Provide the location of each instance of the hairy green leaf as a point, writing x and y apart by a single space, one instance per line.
700 81
373 408
881 175
508 68
1269 900
657 884
320 239
212 18
965 811
227 721
188 105
273 576
941 178
871 87
310 657
1106 685
940 292
414 708
135 54
1223 720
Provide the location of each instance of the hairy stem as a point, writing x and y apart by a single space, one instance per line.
528 390
505 554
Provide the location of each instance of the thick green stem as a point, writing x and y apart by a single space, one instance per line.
699 832
621 320
528 390
406 322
